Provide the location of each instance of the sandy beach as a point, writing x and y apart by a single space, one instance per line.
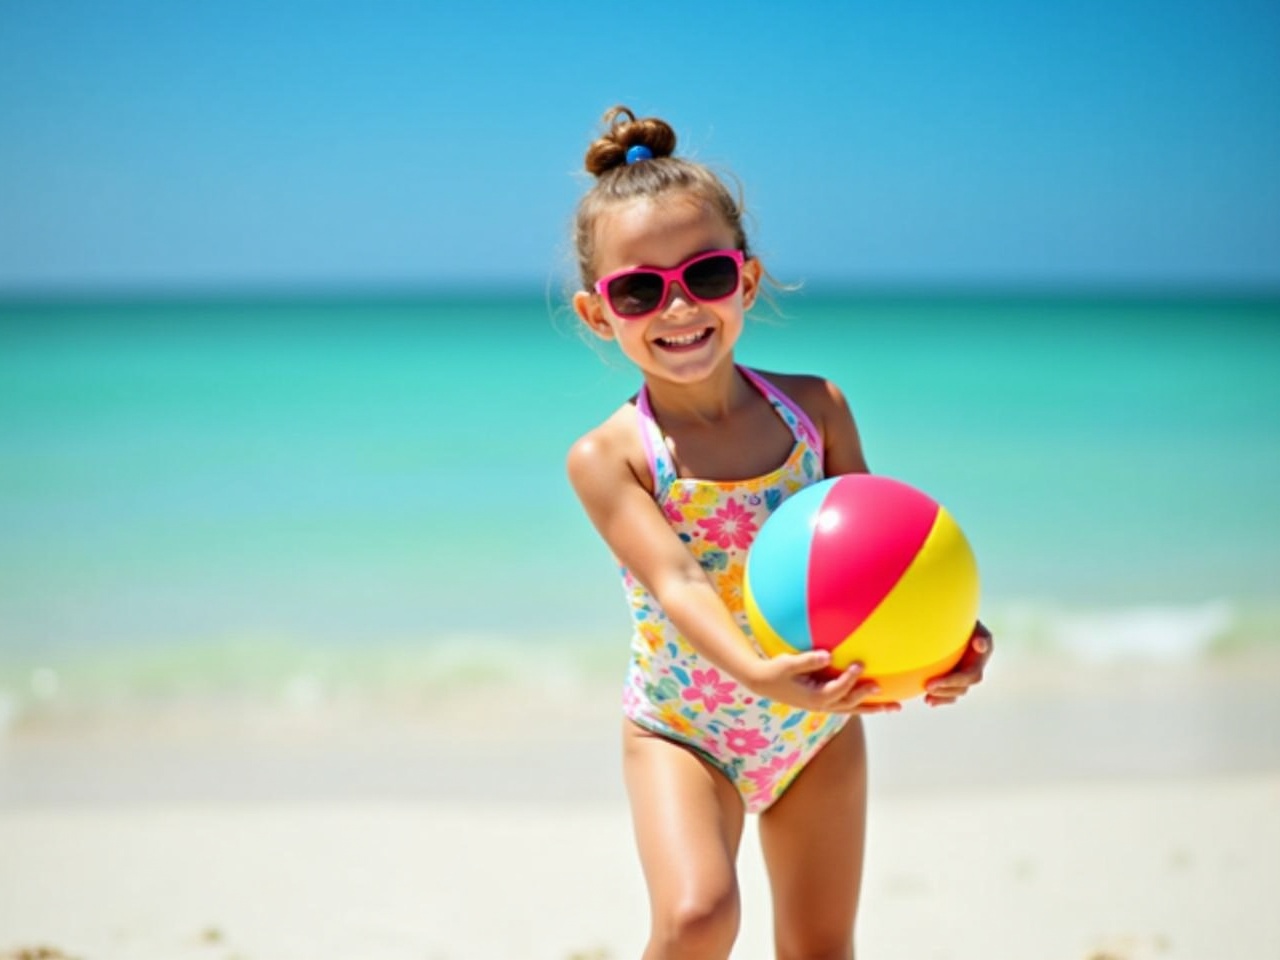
1113 812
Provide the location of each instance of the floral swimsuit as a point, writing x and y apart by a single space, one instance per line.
759 744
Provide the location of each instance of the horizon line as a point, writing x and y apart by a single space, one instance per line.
154 294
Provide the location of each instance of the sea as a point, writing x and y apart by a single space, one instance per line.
302 501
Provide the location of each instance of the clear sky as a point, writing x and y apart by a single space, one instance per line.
170 145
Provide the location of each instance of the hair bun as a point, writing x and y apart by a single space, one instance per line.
623 130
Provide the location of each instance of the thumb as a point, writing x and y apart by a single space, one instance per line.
808 662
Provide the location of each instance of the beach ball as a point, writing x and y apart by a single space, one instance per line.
871 569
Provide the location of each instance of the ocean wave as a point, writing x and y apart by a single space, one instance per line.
1149 633
293 676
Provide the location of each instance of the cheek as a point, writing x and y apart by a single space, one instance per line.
734 311
734 322
628 333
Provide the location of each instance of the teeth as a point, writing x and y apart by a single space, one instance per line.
685 340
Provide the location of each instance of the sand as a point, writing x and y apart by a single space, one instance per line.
1116 812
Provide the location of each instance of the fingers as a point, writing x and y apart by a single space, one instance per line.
944 690
848 693
880 706
949 688
981 642
821 688
818 686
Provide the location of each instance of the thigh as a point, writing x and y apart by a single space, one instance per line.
812 839
688 823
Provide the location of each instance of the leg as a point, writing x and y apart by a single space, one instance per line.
812 839
688 822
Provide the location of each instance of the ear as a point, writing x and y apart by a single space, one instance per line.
590 311
752 274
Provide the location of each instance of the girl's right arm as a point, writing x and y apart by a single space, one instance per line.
605 468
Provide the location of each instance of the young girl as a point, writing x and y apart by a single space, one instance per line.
678 481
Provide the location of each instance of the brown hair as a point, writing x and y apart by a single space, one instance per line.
617 181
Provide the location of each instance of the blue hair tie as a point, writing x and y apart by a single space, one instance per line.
637 153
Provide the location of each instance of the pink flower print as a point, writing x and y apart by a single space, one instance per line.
730 526
745 742
681 505
765 777
708 687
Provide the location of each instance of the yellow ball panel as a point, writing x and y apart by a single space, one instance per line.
770 643
926 618
896 687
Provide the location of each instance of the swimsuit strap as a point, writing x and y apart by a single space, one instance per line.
662 467
791 412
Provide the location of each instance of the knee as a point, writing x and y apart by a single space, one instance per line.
817 938
701 924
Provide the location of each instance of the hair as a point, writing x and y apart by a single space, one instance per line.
617 181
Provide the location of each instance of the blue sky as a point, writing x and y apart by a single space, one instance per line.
162 145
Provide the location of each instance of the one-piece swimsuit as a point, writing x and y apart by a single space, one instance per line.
759 744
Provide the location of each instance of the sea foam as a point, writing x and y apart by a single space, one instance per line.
1165 633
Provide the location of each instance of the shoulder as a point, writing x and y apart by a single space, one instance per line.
819 397
608 453
827 407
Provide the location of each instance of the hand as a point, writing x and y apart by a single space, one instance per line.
805 680
952 686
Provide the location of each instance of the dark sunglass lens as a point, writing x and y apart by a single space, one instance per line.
635 293
712 278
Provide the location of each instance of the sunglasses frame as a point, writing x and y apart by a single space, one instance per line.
667 275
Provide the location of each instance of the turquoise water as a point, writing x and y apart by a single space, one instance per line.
300 496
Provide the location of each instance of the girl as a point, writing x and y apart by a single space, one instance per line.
677 482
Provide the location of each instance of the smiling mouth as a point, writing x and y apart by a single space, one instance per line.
684 341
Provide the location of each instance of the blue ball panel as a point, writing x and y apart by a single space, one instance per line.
779 564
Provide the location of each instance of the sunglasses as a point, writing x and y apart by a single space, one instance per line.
640 291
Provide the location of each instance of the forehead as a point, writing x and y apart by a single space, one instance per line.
658 231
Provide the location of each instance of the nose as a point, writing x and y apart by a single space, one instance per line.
678 296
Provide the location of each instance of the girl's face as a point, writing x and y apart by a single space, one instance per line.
684 340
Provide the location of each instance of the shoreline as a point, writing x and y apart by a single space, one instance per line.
1034 721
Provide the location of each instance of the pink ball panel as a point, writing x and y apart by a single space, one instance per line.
865 536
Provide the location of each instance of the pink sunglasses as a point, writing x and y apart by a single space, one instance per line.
640 291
